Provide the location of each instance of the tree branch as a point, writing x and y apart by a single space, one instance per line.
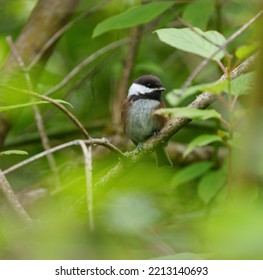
173 126
87 153
84 63
12 199
222 47
58 105
61 31
127 69
37 113
45 20
103 142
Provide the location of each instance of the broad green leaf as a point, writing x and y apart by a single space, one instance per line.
13 152
18 106
243 84
246 50
238 86
194 41
201 141
217 87
199 19
132 17
175 96
191 113
210 184
32 93
191 172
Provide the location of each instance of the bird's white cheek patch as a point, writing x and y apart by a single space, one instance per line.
137 89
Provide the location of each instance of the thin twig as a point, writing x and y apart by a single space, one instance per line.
58 105
222 66
40 26
19 61
192 28
45 142
37 114
127 69
173 126
61 31
102 142
72 117
84 63
87 152
200 67
12 199
91 73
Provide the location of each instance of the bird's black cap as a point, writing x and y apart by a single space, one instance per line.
149 81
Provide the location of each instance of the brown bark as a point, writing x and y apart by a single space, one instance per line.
46 19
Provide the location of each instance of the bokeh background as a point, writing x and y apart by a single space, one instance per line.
208 206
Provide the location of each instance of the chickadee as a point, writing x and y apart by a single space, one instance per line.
144 97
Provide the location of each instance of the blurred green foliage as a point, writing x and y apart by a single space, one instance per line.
210 209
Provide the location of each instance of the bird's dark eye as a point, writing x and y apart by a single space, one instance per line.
149 85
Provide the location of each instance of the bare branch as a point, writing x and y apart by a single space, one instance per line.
58 105
12 199
84 63
37 114
41 26
103 142
173 126
87 152
61 31
192 28
201 66
72 117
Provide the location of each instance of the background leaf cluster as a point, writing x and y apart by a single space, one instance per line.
188 211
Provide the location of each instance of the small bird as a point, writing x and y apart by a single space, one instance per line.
144 97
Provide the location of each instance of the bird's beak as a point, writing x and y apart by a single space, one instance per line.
162 89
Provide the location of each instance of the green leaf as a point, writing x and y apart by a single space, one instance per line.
191 113
246 50
199 19
217 87
243 84
191 172
13 152
18 106
132 17
210 184
176 96
201 141
194 41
